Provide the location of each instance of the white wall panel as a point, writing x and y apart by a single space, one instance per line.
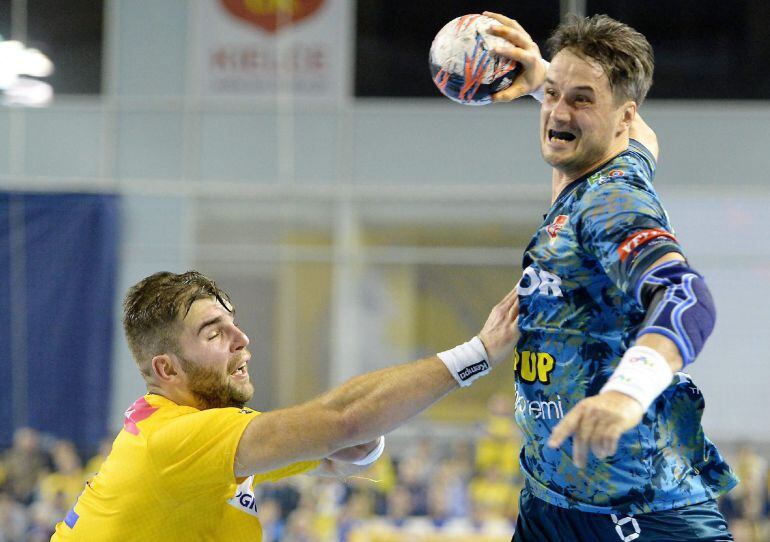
239 146
712 143
150 145
151 47
437 141
64 142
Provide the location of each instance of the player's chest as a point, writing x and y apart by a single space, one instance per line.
554 257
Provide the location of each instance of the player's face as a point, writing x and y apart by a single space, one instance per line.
581 127
214 357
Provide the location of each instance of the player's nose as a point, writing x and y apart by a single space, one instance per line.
240 340
560 110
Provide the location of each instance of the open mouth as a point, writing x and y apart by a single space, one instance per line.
240 370
556 135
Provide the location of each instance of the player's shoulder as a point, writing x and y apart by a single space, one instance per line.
630 173
188 423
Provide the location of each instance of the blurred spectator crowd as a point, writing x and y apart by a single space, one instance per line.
424 489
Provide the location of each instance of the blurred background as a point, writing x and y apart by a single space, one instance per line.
298 152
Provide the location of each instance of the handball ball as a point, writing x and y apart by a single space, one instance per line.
463 65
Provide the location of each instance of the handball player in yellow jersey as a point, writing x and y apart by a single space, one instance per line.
184 466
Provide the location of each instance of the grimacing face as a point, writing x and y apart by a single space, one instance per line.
214 356
581 126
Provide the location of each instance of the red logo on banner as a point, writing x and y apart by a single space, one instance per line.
556 226
271 15
639 238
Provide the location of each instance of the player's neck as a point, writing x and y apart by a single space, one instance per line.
561 178
174 395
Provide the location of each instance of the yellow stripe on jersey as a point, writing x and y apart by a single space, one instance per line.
170 477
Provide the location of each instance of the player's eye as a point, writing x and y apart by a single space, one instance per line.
213 335
550 92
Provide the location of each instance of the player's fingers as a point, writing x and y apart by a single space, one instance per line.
584 435
519 39
510 298
611 439
564 428
507 21
599 444
510 93
579 451
514 310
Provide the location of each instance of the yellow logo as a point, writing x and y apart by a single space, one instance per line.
533 366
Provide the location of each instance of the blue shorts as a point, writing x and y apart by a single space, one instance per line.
540 521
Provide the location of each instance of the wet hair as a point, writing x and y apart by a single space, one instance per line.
154 308
624 54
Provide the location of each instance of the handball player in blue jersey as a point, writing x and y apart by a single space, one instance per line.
611 311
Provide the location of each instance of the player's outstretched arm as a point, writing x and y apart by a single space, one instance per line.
375 403
523 50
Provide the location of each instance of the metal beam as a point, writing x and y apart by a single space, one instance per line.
577 7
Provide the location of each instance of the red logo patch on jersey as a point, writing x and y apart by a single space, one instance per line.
639 238
557 225
616 173
140 410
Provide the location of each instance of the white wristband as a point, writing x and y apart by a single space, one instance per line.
539 92
642 374
374 455
466 362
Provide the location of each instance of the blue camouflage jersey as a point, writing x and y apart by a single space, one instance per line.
578 316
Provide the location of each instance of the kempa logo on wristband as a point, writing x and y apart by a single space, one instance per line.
466 362
468 372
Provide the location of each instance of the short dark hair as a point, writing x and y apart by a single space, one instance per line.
154 307
624 54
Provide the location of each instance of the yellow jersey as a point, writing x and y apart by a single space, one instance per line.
169 477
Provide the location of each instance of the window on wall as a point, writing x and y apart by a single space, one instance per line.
393 39
5 19
69 33
703 48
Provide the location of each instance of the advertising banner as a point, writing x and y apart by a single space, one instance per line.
259 48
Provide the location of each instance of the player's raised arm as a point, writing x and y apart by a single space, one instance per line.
645 135
372 404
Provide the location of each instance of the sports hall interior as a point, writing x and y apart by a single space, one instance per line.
357 218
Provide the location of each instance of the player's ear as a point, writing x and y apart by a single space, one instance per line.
628 110
163 367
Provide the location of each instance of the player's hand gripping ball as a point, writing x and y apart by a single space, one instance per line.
463 65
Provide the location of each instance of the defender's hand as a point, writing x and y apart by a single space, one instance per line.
354 453
523 50
597 422
340 463
501 330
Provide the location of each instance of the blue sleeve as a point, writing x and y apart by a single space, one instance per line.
624 227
